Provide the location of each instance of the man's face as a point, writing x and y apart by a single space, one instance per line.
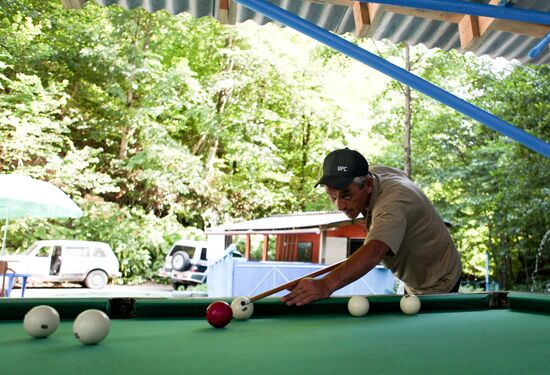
352 199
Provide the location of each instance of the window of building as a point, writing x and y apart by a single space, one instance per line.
305 250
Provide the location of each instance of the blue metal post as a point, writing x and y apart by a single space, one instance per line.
536 51
400 74
474 9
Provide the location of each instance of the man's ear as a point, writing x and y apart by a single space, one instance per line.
370 184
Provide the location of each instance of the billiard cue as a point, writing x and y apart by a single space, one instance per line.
293 283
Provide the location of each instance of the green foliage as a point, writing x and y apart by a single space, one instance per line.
492 189
154 124
158 124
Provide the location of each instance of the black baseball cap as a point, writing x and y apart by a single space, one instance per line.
341 167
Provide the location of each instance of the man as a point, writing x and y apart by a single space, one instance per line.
55 264
405 232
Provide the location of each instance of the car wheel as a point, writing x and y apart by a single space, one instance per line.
180 261
96 279
176 285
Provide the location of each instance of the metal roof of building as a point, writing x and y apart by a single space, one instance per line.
430 28
298 223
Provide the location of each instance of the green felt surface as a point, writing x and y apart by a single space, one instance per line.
436 341
530 302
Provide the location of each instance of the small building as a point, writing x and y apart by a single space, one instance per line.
304 243
316 237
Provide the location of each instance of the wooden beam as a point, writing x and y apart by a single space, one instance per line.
515 27
226 12
265 247
425 13
472 29
523 28
468 29
247 247
361 18
346 3
484 23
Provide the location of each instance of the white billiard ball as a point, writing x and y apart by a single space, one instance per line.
41 321
91 326
409 304
242 308
358 306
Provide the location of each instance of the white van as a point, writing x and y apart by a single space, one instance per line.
87 262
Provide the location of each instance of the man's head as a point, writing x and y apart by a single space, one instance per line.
341 167
347 181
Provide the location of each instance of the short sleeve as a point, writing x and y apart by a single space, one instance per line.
388 226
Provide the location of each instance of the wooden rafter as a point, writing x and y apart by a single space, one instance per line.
362 19
468 28
367 17
226 12
471 27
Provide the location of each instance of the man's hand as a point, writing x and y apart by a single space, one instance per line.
357 265
307 291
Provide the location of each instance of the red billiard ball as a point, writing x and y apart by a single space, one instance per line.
219 314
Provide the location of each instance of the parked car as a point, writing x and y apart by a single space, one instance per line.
186 264
87 262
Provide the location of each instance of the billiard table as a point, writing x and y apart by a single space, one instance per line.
481 333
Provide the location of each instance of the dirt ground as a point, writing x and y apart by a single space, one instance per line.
45 290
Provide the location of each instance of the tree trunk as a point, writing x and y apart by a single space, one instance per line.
212 156
407 165
305 148
223 97
128 131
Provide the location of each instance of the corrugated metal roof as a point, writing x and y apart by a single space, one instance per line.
337 16
291 222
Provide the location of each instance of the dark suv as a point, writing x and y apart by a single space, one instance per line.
186 264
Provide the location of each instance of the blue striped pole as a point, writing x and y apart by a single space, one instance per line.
400 74
537 50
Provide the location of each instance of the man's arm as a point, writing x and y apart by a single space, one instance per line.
357 265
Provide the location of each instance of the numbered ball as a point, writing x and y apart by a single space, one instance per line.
409 304
242 308
358 306
41 321
91 326
219 314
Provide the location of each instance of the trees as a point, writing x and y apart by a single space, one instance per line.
160 124
492 189
153 123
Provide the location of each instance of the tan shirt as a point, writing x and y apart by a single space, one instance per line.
422 254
